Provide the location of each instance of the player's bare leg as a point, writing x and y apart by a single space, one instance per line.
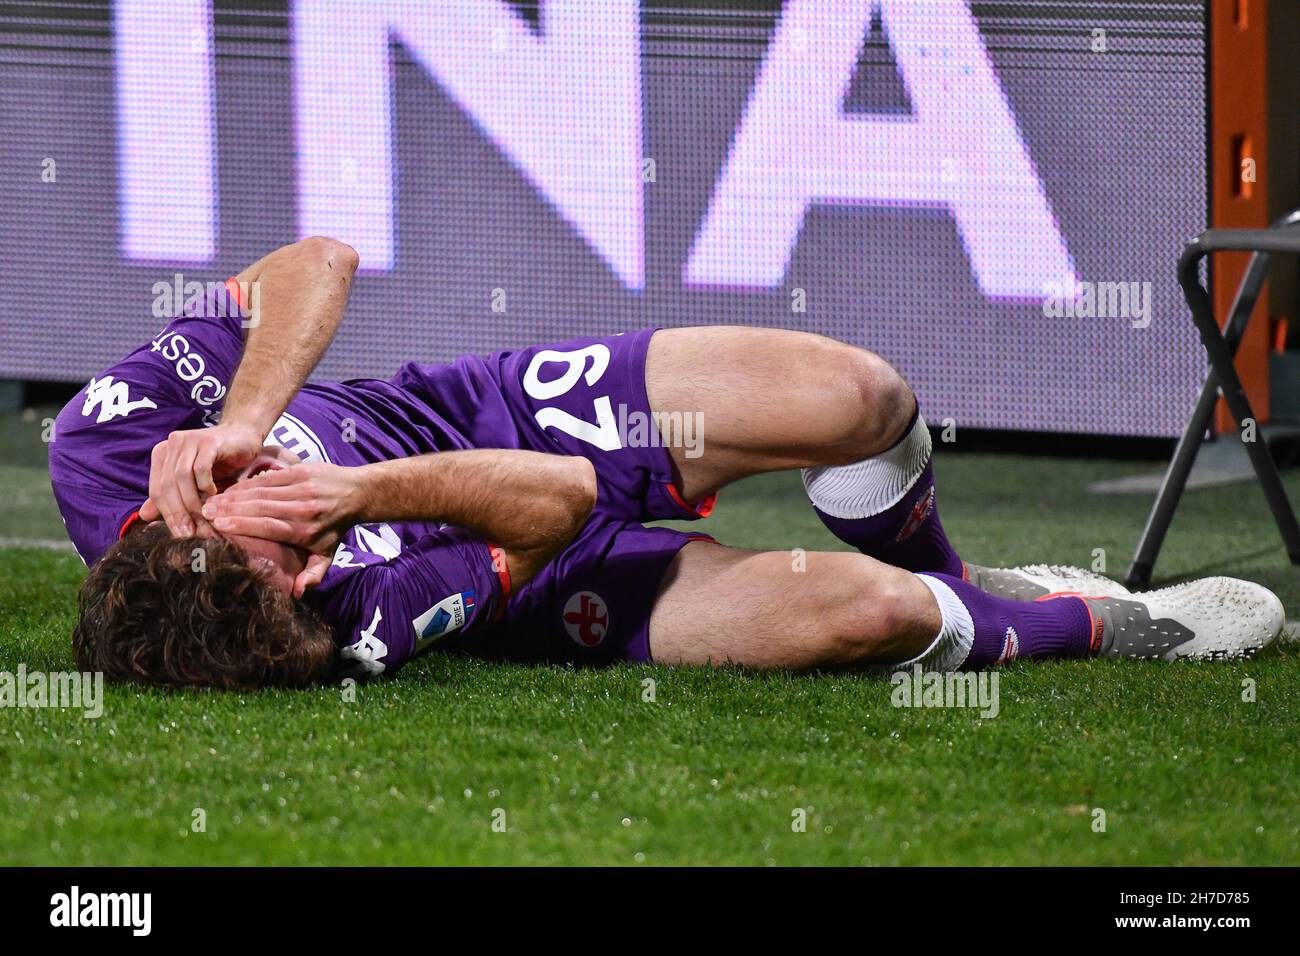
770 399
719 605
772 609
773 399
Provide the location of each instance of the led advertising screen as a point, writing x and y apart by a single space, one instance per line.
992 195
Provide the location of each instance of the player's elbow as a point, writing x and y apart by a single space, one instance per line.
331 254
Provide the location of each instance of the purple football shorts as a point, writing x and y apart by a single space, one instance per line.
592 603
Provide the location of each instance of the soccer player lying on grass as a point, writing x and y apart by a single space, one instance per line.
494 506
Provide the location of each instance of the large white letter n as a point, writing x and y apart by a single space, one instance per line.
960 150
564 107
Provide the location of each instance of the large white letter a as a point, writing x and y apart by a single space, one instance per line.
961 150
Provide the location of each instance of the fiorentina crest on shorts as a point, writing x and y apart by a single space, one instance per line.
586 618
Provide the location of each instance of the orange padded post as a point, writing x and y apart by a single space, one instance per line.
1239 174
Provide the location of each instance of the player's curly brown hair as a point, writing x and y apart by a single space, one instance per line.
152 612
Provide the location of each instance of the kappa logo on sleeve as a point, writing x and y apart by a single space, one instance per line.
366 655
445 617
112 398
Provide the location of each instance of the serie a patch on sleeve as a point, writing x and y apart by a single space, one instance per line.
445 617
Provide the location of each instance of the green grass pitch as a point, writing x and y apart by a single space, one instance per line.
714 769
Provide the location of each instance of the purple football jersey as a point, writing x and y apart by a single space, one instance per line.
393 588
103 438
388 604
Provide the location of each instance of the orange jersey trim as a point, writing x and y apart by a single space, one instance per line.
236 293
702 508
498 557
131 519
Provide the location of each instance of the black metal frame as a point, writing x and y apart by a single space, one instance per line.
1221 346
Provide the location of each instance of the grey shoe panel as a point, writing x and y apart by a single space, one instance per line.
1031 582
1004 583
1128 630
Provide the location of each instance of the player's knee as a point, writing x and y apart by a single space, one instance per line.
880 401
885 621
887 403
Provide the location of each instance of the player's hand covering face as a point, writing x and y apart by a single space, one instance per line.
283 563
187 466
308 506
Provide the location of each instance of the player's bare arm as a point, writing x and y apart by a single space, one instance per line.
302 291
528 504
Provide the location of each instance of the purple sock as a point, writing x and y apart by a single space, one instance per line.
908 535
1005 629
886 507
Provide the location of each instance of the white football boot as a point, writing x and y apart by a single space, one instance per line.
1031 582
1209 619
